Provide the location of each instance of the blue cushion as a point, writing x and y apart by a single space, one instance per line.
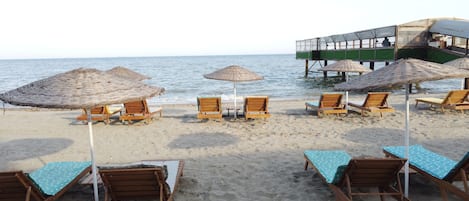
424 159
459 165
312 103
53 177
331 164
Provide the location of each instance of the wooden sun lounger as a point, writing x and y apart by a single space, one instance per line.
209 108
148 180
444 174
138 110
18 186
343 174
328 104
256 107
375 102
103 113
456 100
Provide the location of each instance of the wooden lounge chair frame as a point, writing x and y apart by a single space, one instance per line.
16 186
456 100
445 185
143 183
367 173
98 114
256 107
138 110
209 108
329 104
374 102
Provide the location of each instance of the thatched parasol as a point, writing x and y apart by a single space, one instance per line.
127 73
346 66
234 74
80 88
462 63
403 72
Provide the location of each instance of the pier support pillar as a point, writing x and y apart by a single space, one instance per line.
372 65
361 62
466 83
343 77
325 72
386 63
306 68
467 45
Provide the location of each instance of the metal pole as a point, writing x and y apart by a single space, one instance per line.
407 135
235 112
93 162
346 93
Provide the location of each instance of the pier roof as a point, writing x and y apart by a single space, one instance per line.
458 28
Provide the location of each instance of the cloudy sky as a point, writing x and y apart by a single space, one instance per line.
118 28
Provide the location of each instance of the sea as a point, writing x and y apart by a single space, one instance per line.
182 76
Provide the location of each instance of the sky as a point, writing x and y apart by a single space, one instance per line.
128 28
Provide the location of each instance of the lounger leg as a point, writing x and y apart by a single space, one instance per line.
416 103
444 195
464 180
106 194
28 194
381 196
306 165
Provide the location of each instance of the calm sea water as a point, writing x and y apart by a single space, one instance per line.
182 77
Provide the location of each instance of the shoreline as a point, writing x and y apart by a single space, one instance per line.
232 159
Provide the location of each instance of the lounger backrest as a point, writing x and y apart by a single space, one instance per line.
209 104
376 99
98 110
136 183
136 107
14 186
330 100
372 172
455 96
256 104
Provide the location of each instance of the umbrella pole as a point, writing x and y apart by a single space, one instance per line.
407 134
93 162
346 93
235 111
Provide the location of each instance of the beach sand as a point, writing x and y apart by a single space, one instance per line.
232 159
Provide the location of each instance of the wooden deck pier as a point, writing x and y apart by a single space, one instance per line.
437 39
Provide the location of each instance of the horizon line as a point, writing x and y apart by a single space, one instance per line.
110 57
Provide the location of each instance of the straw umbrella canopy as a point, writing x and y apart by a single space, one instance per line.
80 88
346 65
234 74
127 73
403 72
462 63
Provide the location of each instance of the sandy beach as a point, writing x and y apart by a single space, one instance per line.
233 159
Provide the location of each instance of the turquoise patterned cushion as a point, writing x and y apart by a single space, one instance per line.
426 160
459 165
53 177
312 103
331 164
